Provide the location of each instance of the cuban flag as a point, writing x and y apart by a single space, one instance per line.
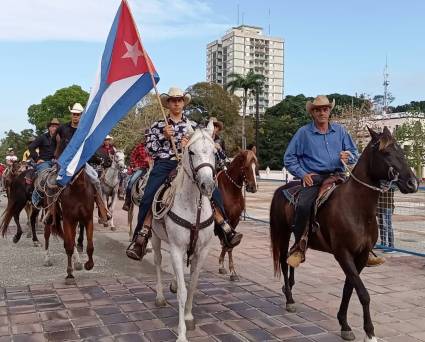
125 75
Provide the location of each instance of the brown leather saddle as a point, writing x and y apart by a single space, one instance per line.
292 190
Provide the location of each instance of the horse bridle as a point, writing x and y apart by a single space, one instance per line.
244 178
195 170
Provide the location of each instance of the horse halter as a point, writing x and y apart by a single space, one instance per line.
195 170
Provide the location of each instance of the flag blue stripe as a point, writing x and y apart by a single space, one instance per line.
139 89
89 114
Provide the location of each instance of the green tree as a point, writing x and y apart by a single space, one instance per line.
247 83
210 99
411 135
130 130
413 107
56 106
18 141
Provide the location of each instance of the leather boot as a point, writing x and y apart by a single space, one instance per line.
137 248
229 237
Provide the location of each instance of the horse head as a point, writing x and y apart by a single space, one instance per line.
389 163
119 160
248 170
199 159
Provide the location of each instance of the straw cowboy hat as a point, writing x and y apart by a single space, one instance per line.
319 101
176 93
108 137
77 108
54 121
217 123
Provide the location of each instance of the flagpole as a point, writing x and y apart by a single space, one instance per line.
173 144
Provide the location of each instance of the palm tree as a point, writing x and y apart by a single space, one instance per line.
250 82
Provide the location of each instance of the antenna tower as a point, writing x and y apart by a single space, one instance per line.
385 84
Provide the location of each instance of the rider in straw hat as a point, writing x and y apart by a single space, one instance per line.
316 151
159 147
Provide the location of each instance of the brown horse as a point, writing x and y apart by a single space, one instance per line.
19 198
9 174
230 182
75 205
348 227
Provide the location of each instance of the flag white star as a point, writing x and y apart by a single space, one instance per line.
133 52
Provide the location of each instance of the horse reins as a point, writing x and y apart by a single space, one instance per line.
391 173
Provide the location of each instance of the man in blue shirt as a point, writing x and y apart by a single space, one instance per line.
316 151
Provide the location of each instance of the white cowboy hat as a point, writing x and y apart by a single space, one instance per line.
76 108
10 149
319 101
175 92
108 137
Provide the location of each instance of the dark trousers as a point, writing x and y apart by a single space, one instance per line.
218 201
306 199
157 177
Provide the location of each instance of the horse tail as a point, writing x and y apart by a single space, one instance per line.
280 231
7 215
57 229
15 203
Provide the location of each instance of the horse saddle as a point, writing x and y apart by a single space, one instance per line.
45 182
292 190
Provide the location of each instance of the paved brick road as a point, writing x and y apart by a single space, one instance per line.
116 301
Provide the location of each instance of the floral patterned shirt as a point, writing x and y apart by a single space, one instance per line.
158 146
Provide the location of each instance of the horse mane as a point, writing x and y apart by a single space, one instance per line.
243 158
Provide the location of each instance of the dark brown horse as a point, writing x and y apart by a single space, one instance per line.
240 171
75 205
348 227
11 172
19 196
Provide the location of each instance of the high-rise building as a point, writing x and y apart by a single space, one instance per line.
244 48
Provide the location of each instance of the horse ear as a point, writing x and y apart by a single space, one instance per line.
210 128
190 130
373 134
387 132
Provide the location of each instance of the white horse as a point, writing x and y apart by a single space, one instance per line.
110 183
195 184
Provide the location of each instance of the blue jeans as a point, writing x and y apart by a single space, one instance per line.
218 201
386 226
36 196
133 178
157 177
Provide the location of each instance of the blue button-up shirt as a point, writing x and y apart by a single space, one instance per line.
311 151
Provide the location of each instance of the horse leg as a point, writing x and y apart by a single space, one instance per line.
346 332
130 221
29 210
47 232
177 262
80 241
18 234
69 244
195 269
90 247
111 209
221 268
33 221
353 277
288 278
156 244
233 275
77 261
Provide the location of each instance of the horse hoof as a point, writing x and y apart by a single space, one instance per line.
88 265
182 339
36 243
113 228
370 339
173 287
105 225
347 335
29 235
160 302
222 270
290 307
190 325
48 263
234 277
78 266
80 248
16 238
70 280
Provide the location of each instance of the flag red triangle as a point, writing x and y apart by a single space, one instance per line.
128 55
